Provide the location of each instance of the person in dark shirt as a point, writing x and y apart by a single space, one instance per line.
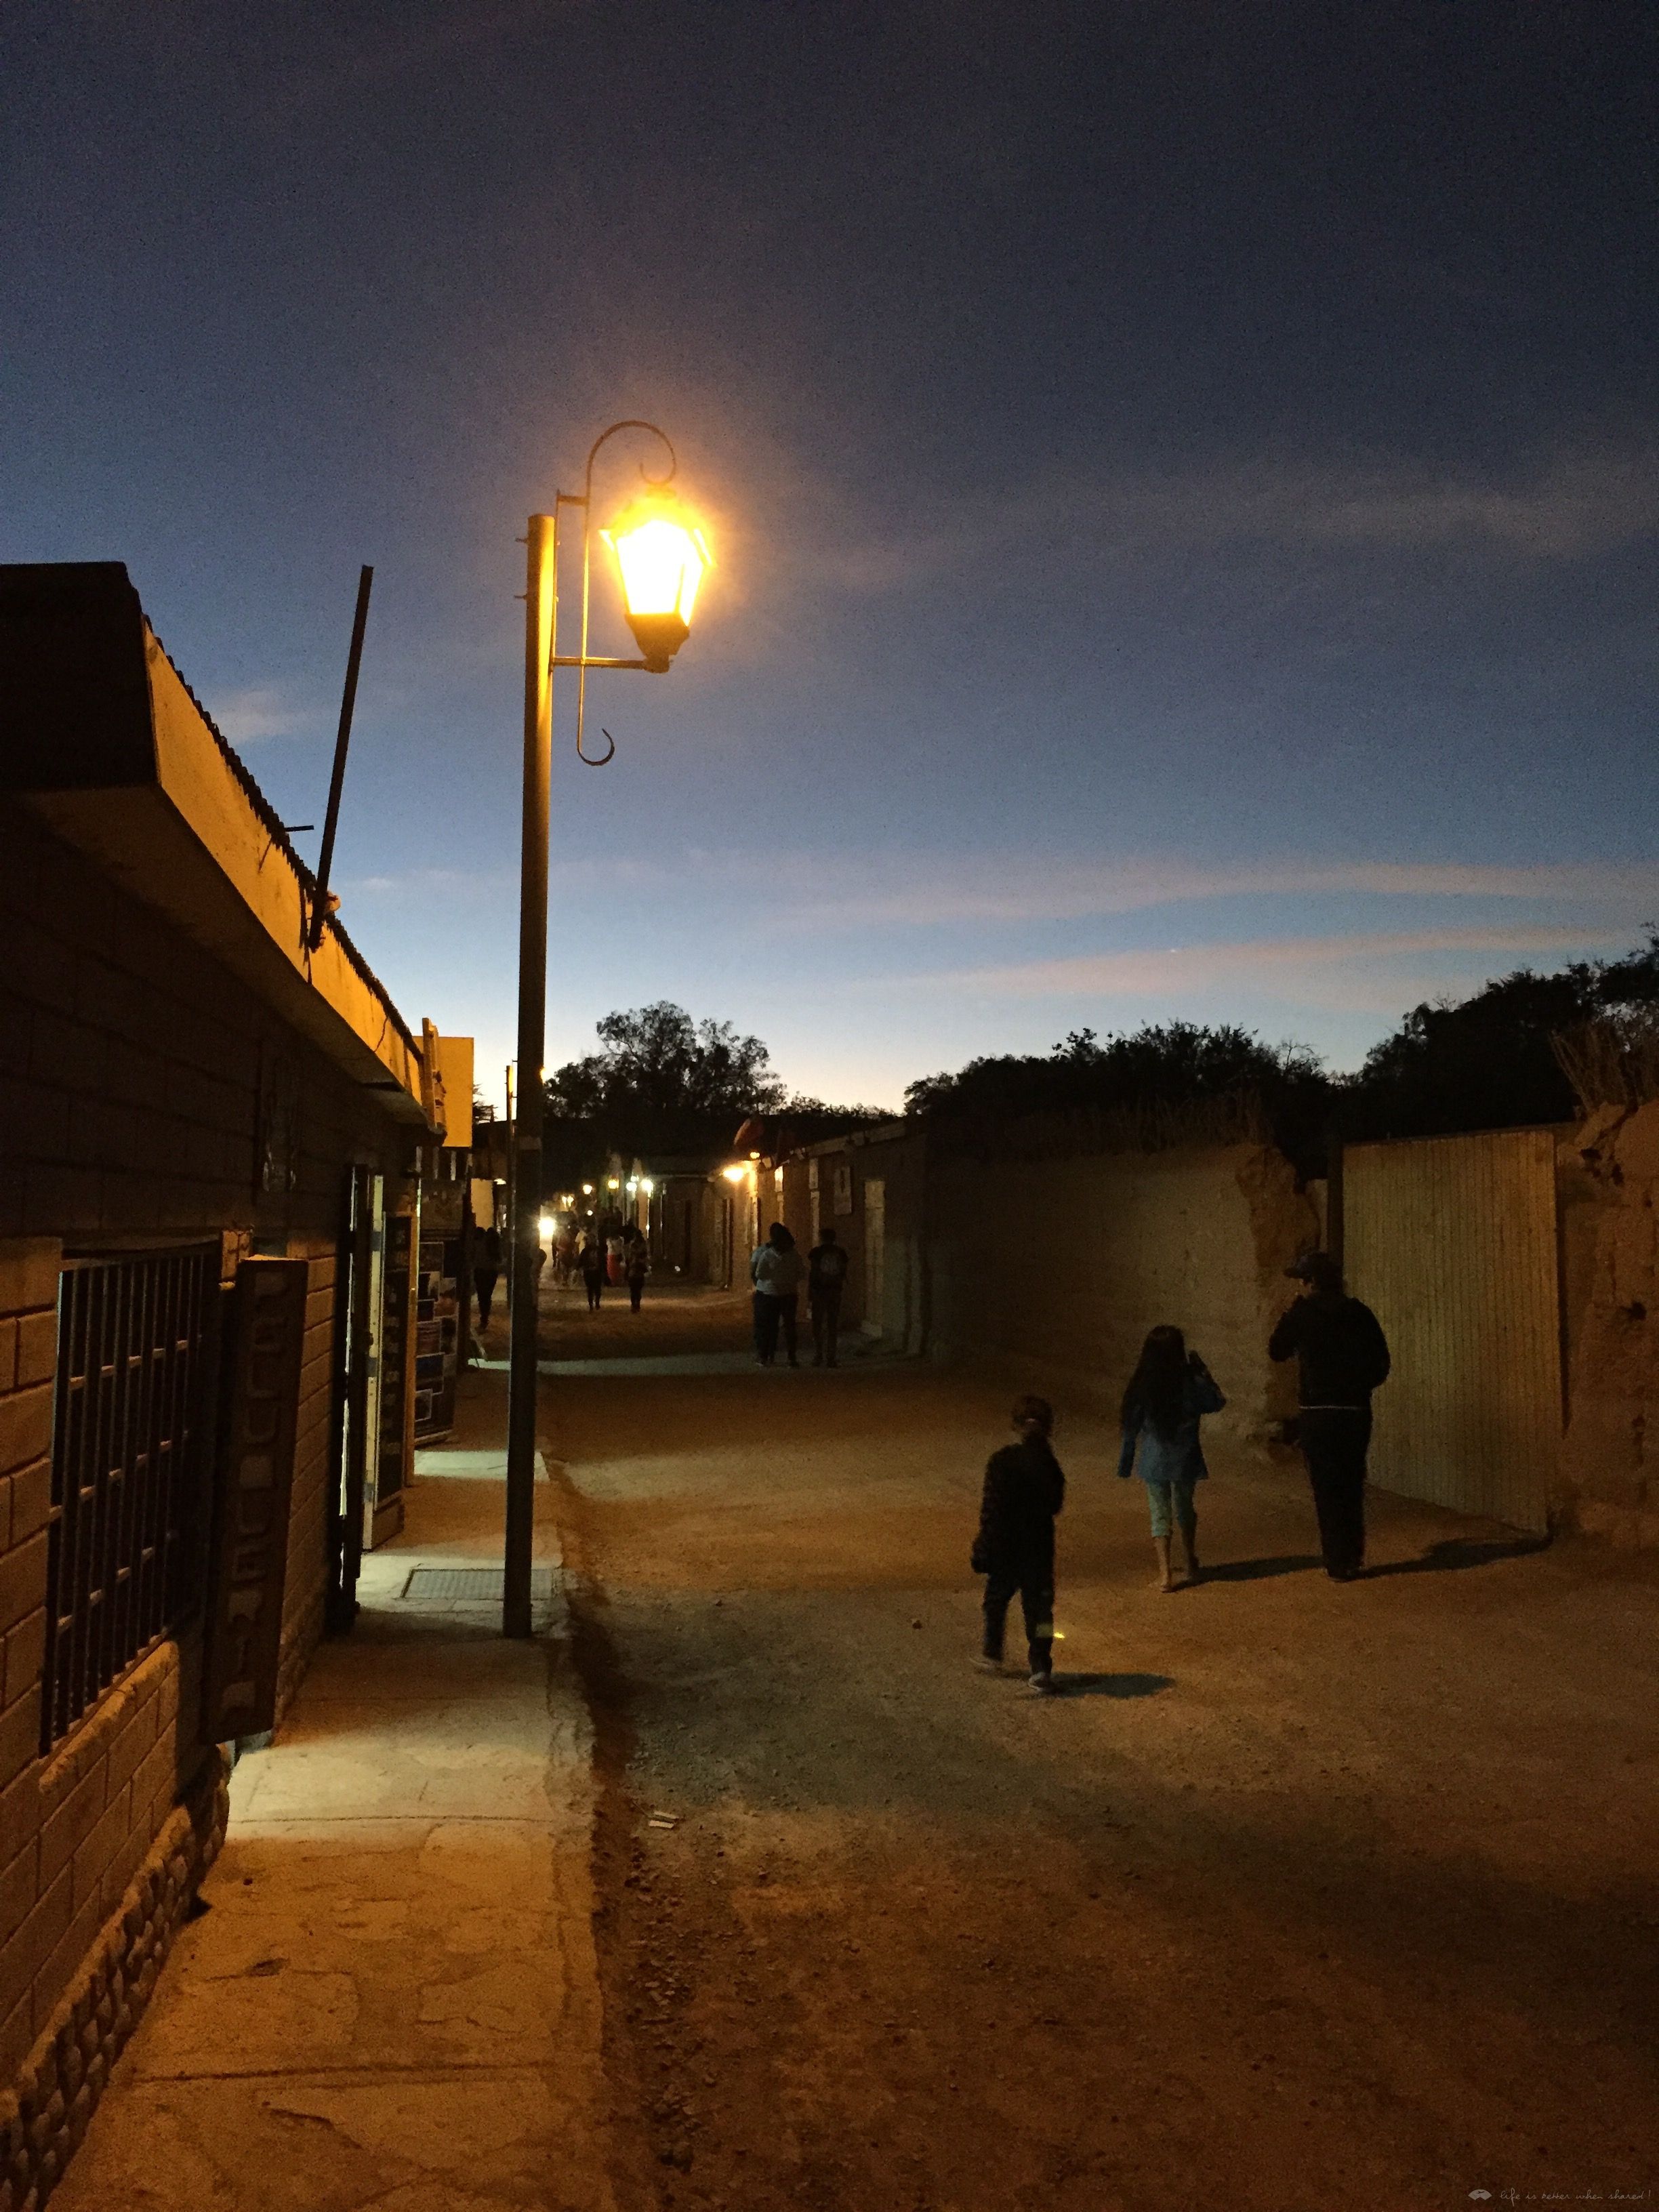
1343 1356
826 1272
1014 1549
636 1262
486 1269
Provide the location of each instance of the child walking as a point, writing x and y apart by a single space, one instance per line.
1014 1549
1168 1393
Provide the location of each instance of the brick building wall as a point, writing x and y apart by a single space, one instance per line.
132 1067
136 1089
30 1922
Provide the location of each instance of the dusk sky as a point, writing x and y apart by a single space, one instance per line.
1184 481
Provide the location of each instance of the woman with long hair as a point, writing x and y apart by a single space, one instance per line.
1168 1393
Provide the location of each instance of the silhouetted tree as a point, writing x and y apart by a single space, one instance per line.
1490 1062
662 1083
1159 1084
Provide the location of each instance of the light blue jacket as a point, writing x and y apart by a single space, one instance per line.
1177 1456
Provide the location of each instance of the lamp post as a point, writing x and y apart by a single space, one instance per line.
661 558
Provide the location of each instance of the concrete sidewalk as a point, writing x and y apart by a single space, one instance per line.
393 1998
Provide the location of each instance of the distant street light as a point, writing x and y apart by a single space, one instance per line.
661 559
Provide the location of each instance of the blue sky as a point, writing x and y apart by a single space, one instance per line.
1184 481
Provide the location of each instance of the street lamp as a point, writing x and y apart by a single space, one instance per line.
661 558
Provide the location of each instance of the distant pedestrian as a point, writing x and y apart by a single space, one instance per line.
826 1276
615 1266
1014 1549
776 1269
636 1265
1343 1356
590 1260
486 1269
564 1254
1168 1393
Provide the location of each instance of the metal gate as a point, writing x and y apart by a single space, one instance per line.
135 1359
1452 1242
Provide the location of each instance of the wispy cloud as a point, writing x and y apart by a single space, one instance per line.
261 711
821 890
1359 971
1581 499
1041 891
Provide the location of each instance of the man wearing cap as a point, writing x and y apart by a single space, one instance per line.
1343 1356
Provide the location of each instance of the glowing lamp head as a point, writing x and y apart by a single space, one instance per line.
734 1174
663 558
545 1225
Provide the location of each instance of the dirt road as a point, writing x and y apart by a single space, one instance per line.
1302 1896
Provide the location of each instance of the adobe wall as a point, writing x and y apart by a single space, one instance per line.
1610 1189
1054 1269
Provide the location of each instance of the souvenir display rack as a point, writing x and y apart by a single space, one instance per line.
436 1317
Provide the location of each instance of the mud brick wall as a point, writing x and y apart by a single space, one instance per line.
1052 1270
1609 1191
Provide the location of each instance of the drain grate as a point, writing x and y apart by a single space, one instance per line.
468 1585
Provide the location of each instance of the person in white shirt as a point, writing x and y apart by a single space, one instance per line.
776 1269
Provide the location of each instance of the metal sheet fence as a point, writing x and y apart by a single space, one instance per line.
1452 1241
122 1560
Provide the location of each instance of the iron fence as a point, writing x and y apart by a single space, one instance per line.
124 1559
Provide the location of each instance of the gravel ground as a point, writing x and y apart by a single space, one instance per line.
1300 1896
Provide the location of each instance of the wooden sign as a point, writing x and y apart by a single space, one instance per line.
254 1482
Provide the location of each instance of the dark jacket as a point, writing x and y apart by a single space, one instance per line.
1342 1350
1023 1491
826 1270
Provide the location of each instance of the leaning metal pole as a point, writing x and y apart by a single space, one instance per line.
541 578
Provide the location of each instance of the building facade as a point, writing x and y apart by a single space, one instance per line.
211 1134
